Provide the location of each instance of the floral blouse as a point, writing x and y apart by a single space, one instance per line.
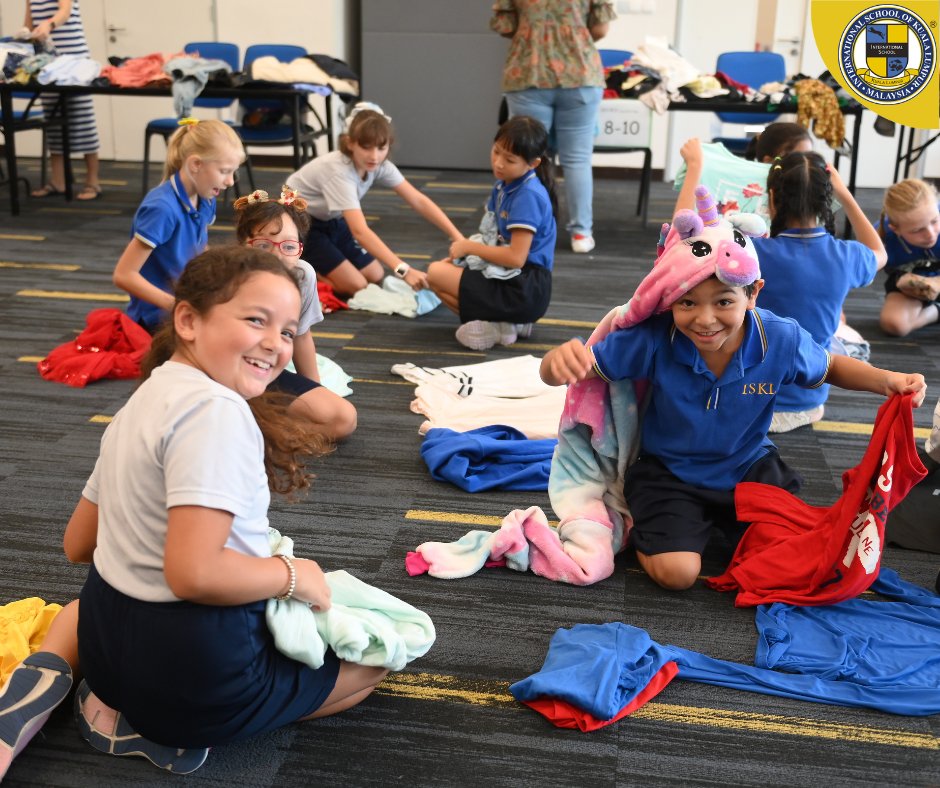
551 44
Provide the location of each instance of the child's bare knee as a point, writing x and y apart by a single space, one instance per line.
894 326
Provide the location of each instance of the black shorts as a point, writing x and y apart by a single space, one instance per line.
670 515
190 675
522 299
329 243
293 383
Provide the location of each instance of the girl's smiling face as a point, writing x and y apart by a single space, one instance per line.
281 238
246 342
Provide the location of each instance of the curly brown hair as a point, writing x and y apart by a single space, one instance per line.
211 279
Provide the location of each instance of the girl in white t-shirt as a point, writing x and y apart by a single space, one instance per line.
172 637
340 245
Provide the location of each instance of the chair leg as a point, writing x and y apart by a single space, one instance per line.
251 173
43 157
643 203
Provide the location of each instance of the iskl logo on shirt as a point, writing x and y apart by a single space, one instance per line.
758 388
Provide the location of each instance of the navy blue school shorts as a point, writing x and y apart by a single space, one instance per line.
670 515
190 675
522 299
293 383
329 243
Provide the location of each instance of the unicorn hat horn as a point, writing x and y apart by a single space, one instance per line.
706 207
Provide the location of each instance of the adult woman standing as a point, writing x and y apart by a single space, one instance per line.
61 21
554 74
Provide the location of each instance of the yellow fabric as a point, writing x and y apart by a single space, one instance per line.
23 626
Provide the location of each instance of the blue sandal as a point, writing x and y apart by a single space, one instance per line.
126 741
39 684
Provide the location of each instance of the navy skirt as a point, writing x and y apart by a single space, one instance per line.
522 299
190 675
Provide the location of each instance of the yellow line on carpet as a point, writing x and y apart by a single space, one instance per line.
62 294
461 518
551 321
40 266
413 352
331 335
458 209
416 256
473 187
384 382
15 237
438 687
31 359
855 428
226 228
101 419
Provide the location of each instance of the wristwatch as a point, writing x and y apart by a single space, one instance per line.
401 270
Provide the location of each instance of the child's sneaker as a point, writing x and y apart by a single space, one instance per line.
124 740
582 244
523 330
786 420
37 685
482 334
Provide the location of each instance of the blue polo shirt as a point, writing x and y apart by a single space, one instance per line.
709 431
524 203
176 232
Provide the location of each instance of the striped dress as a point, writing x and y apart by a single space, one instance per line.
69 39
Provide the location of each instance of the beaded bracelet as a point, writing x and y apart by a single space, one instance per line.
292 584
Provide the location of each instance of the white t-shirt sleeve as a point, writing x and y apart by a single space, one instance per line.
214 458
389 175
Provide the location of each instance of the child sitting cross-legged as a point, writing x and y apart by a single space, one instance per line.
714 362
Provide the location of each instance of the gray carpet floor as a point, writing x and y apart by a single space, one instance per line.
448 719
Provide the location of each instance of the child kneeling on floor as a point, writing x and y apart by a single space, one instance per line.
714 362
499 302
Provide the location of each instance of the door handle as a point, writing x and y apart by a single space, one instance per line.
112 30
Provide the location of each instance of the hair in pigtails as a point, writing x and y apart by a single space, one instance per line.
527 138
801 190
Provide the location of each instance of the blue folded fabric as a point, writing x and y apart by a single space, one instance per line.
488 458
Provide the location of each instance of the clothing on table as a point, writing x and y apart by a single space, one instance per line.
812 555
69 39
553 73
176 232
594 674
488 458
738 185
190 75
807 275
729 416
212 672
69 70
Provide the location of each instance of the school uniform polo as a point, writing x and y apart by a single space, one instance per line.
901 252
176 232
707 431
807 275
524 204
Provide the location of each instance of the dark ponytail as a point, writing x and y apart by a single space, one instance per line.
526 137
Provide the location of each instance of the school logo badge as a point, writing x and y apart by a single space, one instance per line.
888 54
884 55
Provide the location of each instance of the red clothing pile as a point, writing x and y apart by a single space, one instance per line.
813 555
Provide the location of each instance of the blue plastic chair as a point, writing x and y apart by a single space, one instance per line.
616 57
277 134
753 69
164 127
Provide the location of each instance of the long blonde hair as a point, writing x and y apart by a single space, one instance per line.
904 197
208 139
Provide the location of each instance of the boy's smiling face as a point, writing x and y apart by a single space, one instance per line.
712 313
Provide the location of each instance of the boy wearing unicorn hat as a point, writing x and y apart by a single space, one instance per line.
713 362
